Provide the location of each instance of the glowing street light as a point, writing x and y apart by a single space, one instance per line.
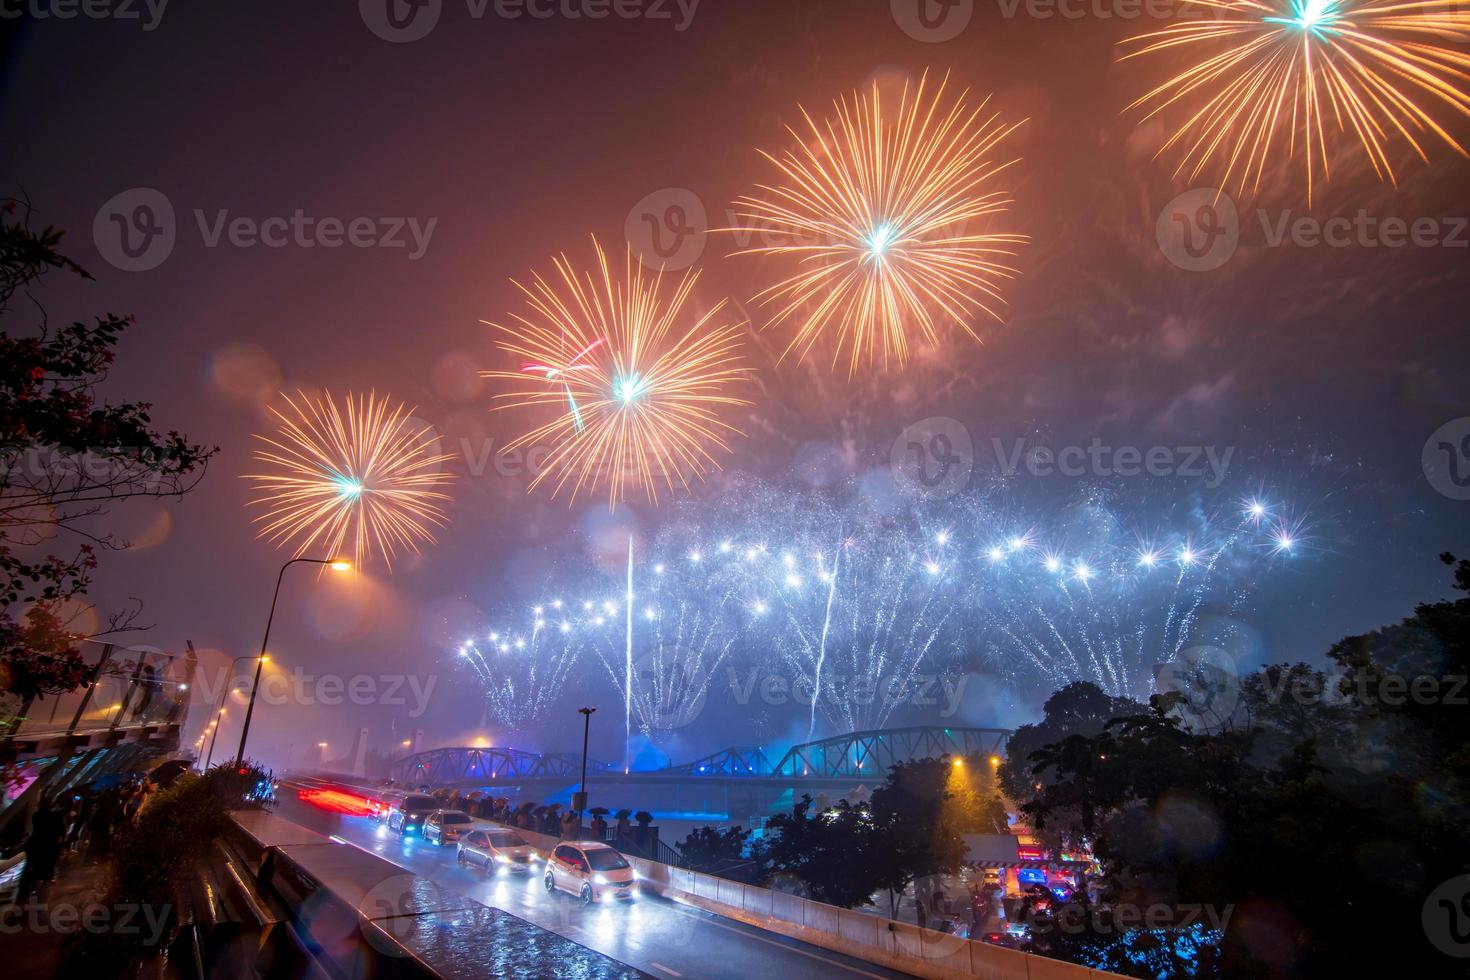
336 565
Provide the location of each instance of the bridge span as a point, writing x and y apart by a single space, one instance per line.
737 781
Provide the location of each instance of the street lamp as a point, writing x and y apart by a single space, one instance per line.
220 713
336 565
579 798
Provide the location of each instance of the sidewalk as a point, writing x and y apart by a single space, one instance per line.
32 951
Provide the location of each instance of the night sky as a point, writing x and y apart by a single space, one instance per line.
1324 369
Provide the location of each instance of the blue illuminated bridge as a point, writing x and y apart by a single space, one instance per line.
739 780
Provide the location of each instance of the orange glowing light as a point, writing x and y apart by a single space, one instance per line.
636 379
1264 77
886 211
362 476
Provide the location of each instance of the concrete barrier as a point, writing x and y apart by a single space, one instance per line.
898 945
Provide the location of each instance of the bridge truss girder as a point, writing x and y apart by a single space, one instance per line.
871 753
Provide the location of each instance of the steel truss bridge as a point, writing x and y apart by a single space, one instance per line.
463 766
843 760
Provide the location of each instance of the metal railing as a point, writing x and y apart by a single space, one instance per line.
128 687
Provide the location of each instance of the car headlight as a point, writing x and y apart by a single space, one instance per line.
600 879
502 859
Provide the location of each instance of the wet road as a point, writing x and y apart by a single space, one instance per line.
658 936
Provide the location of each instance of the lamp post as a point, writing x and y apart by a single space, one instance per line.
220 711
579 798
336 565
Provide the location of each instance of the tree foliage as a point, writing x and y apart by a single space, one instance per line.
1320 820
66 457
709 848
911 828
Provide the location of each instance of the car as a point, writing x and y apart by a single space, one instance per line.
589 871
409 815
495 848
950 924
383 805
445 826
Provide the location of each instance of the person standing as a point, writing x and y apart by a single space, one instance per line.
150 685
43 849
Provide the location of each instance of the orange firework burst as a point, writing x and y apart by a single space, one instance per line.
885 211
364 476
1267 72
638 385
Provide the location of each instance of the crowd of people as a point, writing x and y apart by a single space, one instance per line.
83 823
547 818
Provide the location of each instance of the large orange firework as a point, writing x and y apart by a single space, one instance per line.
637 382
1263 73
363 476
886 209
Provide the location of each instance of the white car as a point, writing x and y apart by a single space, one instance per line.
446 826
493 849
589 871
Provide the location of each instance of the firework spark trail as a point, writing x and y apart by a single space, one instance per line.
883 213
639 403
1264 72
1043 602
628 676
679 650
826 628
520 677
363 475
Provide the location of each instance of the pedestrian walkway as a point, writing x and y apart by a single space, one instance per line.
36 935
